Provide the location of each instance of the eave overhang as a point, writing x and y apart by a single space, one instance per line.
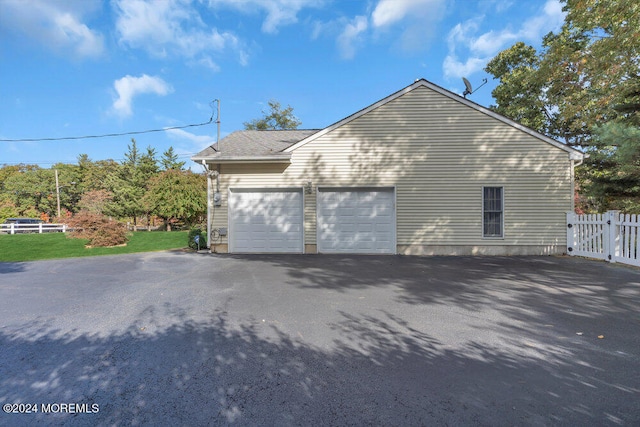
273 158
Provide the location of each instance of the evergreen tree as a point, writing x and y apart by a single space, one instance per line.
128 186
169 160
584 89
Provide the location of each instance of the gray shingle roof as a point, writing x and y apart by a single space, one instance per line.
254 143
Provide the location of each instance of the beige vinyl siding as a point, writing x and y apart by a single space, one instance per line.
438 153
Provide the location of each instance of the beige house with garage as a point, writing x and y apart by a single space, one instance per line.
423 171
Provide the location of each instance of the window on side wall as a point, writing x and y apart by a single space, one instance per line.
493 212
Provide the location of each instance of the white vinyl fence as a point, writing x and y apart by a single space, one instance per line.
32 228
611 236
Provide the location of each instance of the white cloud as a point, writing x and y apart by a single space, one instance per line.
350 35
461 35
330 29
456 68
279 12
503 5
128 87
491 42
171 27
415 20
200 142
207 62
481 48
55 24
189 144
552 19
389 12
409 24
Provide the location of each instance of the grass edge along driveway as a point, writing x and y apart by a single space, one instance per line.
33 247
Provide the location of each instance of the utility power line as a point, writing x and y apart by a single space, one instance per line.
49 162
108 135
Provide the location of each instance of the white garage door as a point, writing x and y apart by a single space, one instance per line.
356 221
265 221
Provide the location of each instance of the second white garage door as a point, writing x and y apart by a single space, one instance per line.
356 221
265 221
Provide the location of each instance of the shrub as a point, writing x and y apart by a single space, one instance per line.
192 238
97 229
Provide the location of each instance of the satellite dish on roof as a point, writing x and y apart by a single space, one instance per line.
467 85
469 89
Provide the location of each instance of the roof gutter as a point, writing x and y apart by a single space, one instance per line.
276 158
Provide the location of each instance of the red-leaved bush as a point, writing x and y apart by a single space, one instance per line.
97 228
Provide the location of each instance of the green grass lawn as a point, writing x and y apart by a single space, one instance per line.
31 247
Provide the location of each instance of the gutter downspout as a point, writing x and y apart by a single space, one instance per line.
209 203
574 165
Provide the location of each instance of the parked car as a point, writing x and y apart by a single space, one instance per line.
22 221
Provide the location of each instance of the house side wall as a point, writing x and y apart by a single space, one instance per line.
438 154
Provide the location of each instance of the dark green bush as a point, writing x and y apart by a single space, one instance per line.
192 241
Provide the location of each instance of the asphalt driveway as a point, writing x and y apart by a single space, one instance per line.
193 339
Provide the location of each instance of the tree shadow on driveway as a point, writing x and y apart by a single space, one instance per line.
449 275
379 372
11 267
505 351
543 284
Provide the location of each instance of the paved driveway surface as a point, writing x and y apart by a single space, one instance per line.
188 339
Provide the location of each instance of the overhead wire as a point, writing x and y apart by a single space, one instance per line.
48 162
108 135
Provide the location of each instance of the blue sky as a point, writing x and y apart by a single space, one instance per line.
93 67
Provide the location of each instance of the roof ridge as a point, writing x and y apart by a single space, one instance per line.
277 130
422 82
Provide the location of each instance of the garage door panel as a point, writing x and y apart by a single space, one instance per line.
356 221
266 221
365 228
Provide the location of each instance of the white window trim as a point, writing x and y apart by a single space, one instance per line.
501 237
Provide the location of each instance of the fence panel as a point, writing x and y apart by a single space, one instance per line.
627 248
586 235
32 228
611 236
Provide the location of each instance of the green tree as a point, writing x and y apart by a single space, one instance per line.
7 208
178 195
32 192
127 186
148 165
276 118
11 174
94 174
170 161
520 95
69 186
586 82
7 171
147 169
613 180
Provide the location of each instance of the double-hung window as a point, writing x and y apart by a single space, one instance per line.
493 212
